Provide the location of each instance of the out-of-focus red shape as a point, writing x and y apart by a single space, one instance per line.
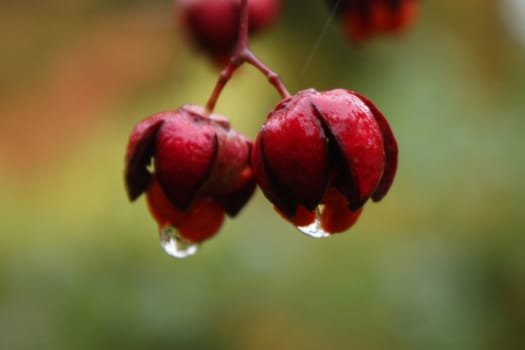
363 19
212 25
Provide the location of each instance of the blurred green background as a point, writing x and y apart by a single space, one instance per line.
438 264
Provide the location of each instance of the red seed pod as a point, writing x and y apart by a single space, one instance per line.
364 18
201 170
212 25
331 149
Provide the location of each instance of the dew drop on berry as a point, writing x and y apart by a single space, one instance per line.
314 229
174 245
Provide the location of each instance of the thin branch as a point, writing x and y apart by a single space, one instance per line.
242 54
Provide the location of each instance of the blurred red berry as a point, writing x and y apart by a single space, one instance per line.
212 25
200 170
332 149
365 18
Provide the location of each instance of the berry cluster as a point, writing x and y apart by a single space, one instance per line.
318 158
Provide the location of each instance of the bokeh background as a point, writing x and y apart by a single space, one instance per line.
438 264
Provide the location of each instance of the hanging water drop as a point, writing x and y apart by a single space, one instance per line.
175 245
314 229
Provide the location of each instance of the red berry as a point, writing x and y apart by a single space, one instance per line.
197 159
331 148
212 25
365 18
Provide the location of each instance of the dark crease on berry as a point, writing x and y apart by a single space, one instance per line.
277 194
232 203
137 175
345 182
235 201
184 203
395 5
390 148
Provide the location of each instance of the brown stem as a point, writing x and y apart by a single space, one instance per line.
224 77
249 57
244 20
241 55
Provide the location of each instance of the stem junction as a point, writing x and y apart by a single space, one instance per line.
242 54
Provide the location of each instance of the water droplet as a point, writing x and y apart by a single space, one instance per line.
314 229
175 245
